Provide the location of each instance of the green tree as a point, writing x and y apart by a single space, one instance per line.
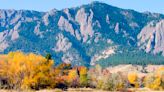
83 76
48 56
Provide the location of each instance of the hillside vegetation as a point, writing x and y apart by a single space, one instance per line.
30 71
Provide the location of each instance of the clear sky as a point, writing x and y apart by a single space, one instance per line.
46 5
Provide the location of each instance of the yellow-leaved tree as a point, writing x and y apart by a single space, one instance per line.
73 78
83 76
24 71
133 79
155 80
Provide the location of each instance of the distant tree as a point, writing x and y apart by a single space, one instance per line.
48 56
155 80
133 79
73 78
114 82
83 76
94 74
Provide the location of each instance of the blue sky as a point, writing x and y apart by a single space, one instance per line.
45 5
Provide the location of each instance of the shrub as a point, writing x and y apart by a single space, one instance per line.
155 80
114 82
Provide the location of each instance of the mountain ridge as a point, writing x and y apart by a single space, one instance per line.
82 35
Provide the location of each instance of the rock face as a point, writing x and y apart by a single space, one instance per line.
62 44
83 35
85 21
151 37
105 54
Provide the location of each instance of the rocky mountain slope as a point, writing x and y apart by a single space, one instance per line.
84 35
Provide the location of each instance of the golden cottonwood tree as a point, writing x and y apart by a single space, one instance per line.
27 71
133 79
73 78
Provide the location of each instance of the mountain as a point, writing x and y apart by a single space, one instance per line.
85 35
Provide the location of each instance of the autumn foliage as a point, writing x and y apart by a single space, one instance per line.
30 71
133 79
155 80
26 71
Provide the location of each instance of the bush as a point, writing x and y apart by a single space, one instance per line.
155 80
112 83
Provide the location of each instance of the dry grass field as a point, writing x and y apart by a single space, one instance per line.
84 90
